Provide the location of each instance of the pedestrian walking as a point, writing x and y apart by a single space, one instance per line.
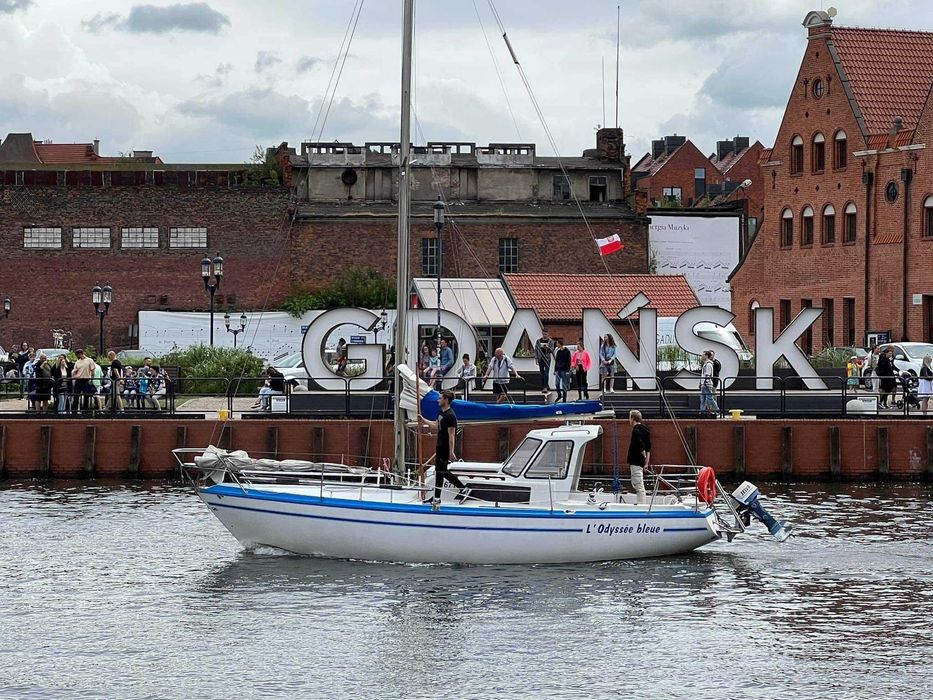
886 376
500 370
581 363
607 364
544 351
926 382
873 381
708 405
562 358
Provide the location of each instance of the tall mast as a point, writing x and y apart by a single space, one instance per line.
404 205
618 41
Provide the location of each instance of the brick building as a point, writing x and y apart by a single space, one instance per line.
71 218
739 163
849 191
675 173
509 209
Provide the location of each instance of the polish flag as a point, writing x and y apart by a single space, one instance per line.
610 244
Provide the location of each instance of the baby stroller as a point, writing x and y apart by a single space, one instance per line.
908 391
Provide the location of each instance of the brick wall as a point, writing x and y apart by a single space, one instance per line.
678 171
838 270
52 288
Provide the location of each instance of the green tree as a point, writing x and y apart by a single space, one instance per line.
263 169
361 287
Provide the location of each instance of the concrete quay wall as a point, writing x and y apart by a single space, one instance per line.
808 450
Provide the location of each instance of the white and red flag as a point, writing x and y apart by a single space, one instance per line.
610 244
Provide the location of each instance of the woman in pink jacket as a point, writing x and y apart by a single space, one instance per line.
580 362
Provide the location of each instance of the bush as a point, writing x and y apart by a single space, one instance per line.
361 287
204 361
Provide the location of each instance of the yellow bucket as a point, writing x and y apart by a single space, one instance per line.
223 414
736 413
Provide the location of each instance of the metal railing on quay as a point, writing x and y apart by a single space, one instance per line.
371 397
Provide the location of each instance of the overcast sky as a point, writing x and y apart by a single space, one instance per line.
207 81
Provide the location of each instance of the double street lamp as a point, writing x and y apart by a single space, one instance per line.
235 331
101 297
211 268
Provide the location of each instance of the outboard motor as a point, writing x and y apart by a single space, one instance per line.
747 495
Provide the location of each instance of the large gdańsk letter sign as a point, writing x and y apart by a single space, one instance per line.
641 366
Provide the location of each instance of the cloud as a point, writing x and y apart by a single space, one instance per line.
266 60
11 6
152 19
747 79
306 63
263 112
215 80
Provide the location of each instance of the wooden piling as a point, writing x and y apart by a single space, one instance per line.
505 443
136 441
835 454
90 445
884 464
690 434
317 443
929 435
738 447
272 442
45 451
787 452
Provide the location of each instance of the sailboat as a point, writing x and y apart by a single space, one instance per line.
528 509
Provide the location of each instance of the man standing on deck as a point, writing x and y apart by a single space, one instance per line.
639 454
444 454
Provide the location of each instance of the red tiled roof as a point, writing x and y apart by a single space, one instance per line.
66 153
878 142
890 72
765 155
564 296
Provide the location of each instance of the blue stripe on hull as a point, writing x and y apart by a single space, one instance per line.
254 494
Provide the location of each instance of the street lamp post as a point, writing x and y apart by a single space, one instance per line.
439 225
7 307
213 267
101 298
235 331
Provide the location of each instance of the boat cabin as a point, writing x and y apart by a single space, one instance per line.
544 467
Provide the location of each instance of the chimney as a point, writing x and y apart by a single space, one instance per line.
142 154
672 143
897 126
609 145
724 148
96 147
739 144
657 149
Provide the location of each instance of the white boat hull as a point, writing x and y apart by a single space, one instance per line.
348 528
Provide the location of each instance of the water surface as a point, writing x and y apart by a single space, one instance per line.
115 591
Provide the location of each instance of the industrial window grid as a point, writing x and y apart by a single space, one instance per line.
429 259
140 237
94 237
561 187
42 237
187 237
508 255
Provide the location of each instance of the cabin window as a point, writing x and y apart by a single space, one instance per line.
552 461
518 459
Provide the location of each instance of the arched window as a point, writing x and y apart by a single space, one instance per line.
751 316
840 151
848 232
829 225
796 156
818 154
787 228
928 217
806 227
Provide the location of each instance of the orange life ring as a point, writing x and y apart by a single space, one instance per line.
706 485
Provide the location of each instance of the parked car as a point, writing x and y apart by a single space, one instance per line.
860 353
51 353
293 368
909 356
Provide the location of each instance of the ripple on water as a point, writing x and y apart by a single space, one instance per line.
110 590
